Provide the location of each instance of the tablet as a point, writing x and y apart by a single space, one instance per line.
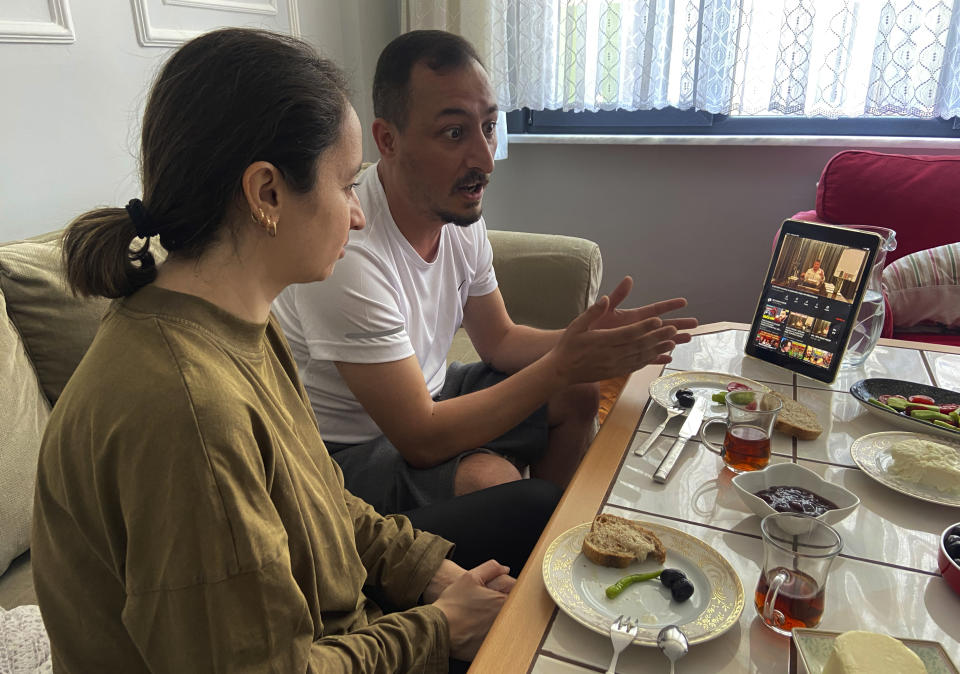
814 287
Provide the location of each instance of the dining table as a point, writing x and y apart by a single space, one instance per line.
884 580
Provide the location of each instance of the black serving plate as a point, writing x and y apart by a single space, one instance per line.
865 389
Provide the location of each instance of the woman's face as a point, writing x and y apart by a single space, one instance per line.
321 219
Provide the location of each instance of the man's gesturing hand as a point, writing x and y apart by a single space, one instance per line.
605 341
471 606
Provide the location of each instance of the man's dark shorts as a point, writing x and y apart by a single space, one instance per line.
376 472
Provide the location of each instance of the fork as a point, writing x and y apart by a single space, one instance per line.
648 443
622 633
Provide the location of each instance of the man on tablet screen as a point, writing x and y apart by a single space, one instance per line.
814 276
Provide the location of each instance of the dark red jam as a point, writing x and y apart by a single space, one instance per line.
796 500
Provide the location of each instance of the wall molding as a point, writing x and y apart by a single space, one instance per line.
263 7
152 36
59 29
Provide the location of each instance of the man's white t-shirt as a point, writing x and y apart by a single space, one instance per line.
382 303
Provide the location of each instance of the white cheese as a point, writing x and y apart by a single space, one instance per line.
869 653
927 463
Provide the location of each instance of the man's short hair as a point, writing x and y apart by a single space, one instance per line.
437 49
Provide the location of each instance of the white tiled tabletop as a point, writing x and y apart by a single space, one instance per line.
886 578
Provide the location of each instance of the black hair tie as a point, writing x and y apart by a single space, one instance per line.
141 221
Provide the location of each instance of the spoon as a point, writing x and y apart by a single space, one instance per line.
672 643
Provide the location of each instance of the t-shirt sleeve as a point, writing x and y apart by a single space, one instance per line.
484 280
354 316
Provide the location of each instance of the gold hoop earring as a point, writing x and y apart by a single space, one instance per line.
271 228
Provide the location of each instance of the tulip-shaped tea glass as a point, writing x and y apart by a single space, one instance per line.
797 553
750 419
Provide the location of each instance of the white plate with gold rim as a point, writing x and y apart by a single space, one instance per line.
663 390
578 587
872 453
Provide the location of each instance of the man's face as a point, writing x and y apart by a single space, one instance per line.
816 265
446 150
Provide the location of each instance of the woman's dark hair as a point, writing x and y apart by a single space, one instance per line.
439 50
221 102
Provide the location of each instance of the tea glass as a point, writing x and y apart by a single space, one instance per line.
798 551
750 419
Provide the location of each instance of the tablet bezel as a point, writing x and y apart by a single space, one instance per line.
831 234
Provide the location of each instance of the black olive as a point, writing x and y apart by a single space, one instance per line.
684 397
682 590
953 549
670 576
954 531
956 560
951 539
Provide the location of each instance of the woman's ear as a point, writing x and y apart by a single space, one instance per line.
261 182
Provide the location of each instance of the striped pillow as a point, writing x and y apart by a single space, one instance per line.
923 288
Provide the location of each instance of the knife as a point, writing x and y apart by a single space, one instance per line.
690 428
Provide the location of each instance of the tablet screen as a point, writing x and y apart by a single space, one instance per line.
814 287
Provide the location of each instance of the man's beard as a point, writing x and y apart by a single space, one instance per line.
458 220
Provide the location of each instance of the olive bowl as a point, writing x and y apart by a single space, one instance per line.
949 568
792 475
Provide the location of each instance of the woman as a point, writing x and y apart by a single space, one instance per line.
187 515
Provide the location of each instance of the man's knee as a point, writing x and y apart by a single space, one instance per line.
482 470
578 402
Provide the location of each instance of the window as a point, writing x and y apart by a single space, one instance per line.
865 67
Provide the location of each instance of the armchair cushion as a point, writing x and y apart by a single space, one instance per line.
923 288
55 326
25 413
915 195
546 281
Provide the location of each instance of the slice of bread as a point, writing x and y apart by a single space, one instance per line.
615 541
797 419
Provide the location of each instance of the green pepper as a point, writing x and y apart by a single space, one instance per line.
898 404
874 401
929 415
626 581
741 397
938 422
955 415
719 397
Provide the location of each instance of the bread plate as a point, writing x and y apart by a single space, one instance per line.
578 587
663 390
815 646
872 454
865 389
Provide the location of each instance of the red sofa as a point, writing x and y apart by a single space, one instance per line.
917 196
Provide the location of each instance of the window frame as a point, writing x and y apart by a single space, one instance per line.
671 121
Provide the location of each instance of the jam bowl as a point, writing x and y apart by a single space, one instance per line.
949 568
811 487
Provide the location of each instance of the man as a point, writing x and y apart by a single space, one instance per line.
371 341
814 276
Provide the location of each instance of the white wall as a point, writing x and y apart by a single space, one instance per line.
693 221
69 122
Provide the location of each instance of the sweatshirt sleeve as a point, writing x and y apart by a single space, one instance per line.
399 559
259 622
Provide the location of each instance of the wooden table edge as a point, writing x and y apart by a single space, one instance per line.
515 637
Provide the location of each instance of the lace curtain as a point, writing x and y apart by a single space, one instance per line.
827 58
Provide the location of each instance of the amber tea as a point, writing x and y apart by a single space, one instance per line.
746 448
798 603
749 422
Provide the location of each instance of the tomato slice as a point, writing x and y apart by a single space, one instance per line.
884 398
923 400
737 386
948 408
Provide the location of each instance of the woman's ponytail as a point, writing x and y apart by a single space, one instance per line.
101 258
